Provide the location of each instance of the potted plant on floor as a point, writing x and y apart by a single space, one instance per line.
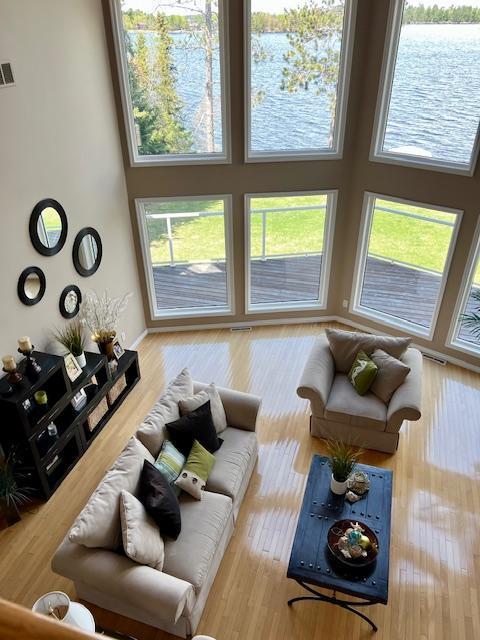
12 496
100 314
72 337
472 320
342 460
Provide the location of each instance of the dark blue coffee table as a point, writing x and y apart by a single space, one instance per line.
311 562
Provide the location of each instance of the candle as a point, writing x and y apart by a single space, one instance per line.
9 363
25 344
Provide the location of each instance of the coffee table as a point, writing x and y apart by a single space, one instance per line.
311 562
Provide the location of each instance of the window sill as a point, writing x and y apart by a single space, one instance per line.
193 313
389 321
252 157
279 307
419 163
179 161
464 347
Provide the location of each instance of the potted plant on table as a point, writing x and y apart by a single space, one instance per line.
72 337
342 461
100 314
12 496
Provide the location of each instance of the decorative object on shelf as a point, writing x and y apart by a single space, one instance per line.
31 286
32 368
87 251
352 497
342 460
41 398
10 368
113 366
79 400
358 483
72 337
74 370
97 414
116 390
352 543
12 496
48 227
101 314
52 431
117 349
70 301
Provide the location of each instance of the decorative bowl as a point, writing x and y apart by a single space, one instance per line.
338 530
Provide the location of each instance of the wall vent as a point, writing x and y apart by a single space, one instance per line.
6 75
435 359
235 329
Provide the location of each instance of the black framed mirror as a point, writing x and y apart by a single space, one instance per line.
87 251
31 285
70 300
48 227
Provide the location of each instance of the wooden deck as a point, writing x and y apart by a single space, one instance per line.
390 288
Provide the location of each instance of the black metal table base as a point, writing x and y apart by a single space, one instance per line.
344 604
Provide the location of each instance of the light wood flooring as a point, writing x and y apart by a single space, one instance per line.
435 553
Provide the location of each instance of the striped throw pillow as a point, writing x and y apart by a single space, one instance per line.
170 462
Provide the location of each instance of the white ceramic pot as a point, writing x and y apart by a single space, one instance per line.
82 361
339 488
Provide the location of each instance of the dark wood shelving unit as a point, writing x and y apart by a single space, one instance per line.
45 461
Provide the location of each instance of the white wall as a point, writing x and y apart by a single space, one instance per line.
59 139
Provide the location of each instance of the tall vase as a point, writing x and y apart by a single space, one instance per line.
106 348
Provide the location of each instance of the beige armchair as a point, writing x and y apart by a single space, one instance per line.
337 411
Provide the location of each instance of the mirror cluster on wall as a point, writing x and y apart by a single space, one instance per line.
48 230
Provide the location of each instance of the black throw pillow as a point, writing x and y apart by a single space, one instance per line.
196 425
159 500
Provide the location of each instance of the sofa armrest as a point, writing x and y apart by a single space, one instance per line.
241 408
147 589
317 377
406 402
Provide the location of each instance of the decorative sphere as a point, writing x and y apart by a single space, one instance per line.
364 542
354 537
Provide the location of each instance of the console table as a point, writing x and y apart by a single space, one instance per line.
311 562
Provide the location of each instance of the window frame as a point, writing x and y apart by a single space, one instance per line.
137 160
377 154
189 312
355 307
453 340
343 91
329 231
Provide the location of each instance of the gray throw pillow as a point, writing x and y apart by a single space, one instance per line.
391 375
141 538
216 405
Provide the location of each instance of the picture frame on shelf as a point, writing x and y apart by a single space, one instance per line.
74 370
79 400
118 350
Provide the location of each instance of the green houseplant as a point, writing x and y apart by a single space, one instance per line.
342 460
472 320
12 496
72 337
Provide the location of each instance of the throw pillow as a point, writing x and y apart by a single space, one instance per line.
152 430
142 542
159 500
216 405
197 425
98 525
170 462
345 345
391 375
194 475
362 374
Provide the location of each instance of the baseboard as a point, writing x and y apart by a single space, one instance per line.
136 342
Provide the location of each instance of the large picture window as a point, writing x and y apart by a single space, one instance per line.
172 63
187 257
297 67
429 105
289 238
403 261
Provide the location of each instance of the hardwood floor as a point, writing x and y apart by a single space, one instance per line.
435 553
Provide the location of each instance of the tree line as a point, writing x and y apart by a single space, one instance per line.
439 15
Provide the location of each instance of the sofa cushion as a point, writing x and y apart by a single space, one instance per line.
216 405
159 500
152 430
391 374
232 461
345 405
98 525
142 541
345 345
203 523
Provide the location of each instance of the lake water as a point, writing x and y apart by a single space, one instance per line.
435 105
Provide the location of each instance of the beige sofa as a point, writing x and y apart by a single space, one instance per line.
338 412
173 599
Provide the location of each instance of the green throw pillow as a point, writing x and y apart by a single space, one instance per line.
194 475
363 373
170 463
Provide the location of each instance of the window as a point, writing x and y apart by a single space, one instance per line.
402 263
187 257
172 67
289 239
465 329
429 107
297 66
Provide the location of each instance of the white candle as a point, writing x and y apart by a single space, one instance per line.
25 343
9 363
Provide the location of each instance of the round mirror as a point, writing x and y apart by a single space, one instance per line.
48 227
87 251
31 285
70 300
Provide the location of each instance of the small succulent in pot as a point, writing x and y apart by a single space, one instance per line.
12 495
343 458
72 337
100 314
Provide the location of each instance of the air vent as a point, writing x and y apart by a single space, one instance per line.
435 359
6 75
235 329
